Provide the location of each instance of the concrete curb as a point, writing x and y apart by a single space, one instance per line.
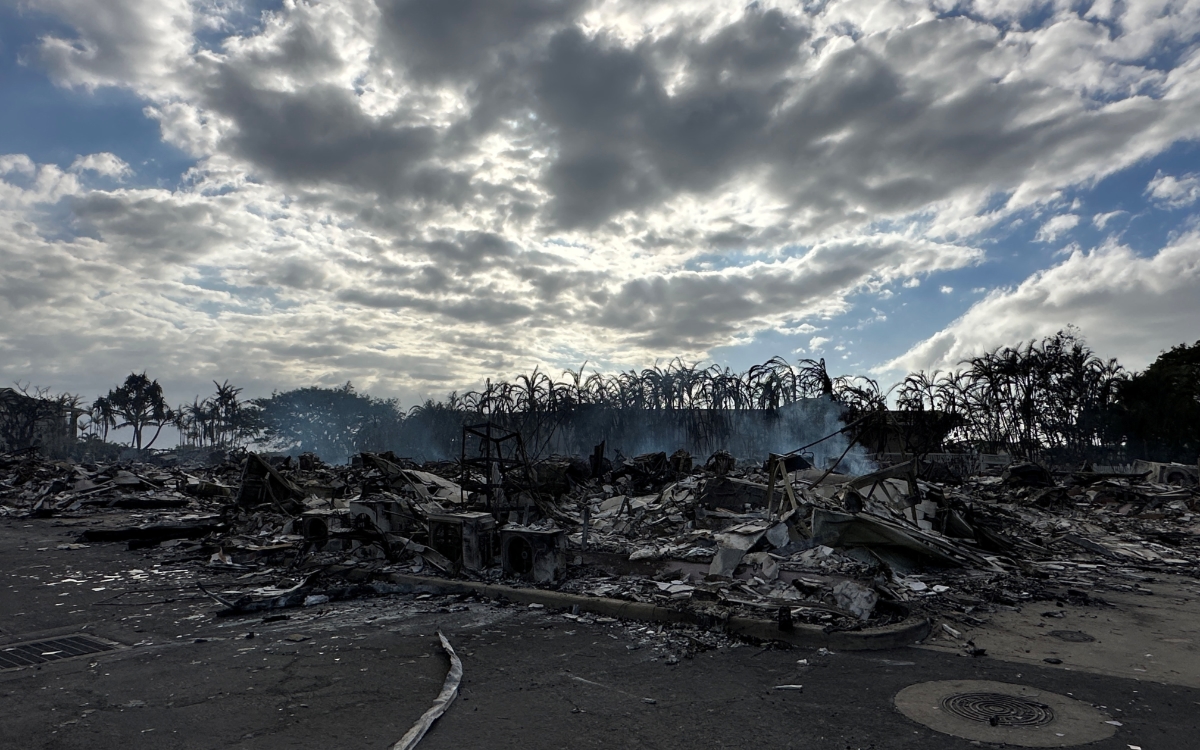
905 633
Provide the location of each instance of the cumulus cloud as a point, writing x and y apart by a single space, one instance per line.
1175 192
132 43
1057 226
540 182
104 164
1112 294
585 122
18 163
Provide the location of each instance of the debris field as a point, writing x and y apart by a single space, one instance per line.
771 550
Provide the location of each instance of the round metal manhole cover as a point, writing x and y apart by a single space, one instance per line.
998 709
1072 636
1002 713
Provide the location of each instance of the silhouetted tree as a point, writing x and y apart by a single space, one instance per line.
221 420
1160 406
29 415
331 422
137 403
1050 397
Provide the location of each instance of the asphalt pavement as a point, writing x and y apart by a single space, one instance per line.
357 674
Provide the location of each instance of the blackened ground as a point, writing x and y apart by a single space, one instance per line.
357 674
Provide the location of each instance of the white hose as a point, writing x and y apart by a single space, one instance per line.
440 704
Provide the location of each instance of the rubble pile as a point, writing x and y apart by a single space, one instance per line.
779 541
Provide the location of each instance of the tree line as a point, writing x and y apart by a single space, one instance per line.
1052 399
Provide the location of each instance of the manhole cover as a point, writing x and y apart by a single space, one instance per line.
1001 713
998 709
51 649
1074 636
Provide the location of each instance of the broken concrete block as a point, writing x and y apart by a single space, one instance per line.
855 598
725 561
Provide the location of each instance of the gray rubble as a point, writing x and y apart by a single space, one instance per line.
715 539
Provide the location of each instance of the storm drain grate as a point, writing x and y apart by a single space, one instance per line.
51 649
1003 714
998 709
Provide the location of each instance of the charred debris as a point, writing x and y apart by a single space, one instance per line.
668 537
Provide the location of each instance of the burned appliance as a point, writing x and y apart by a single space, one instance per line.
323 529
379 513
534 554
463 538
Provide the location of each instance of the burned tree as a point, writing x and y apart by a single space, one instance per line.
33 418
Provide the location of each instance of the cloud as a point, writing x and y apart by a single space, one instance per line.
461 39
1174 192
104 164
1116 297
698 310
543 182
1057 226
18 163
158 231
132 43
218 276
803 328
562 113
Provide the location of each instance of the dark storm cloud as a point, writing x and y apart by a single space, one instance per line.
882 128
625 142
460 38
302 51
901 145
620 140
878 130
320 134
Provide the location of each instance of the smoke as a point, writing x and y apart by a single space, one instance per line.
337 423
750 434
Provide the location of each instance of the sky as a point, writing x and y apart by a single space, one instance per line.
417 196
